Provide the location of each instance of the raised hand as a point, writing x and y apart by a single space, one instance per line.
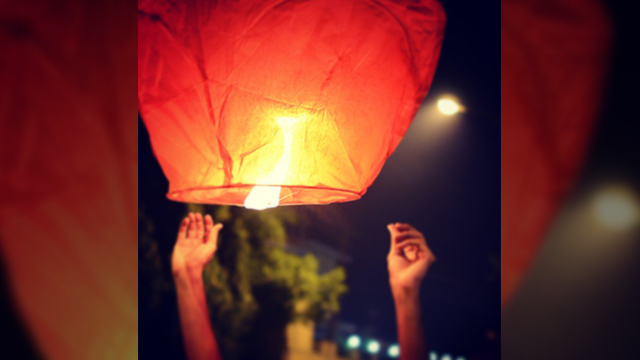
409 258
196 244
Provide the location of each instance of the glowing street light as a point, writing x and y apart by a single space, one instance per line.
616 208
353 342
449 106
460 358
433 355
393 351
373 347
446 357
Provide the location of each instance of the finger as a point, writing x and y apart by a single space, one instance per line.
404 227
182 231
393 232
208 225
192 226
403 236
199 227
419 245
427 255
411 253
212 238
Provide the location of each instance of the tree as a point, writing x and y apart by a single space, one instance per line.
152 282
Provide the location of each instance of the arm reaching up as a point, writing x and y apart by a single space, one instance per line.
196 244
408 261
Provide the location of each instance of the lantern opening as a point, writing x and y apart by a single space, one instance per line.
238 194
263 197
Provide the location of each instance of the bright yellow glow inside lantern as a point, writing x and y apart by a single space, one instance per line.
264 197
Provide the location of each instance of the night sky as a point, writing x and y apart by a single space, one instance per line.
444 179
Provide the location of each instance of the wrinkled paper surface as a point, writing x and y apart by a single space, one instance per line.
312 95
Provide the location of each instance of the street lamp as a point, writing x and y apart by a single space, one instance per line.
449 106
393 351
373 347
353 342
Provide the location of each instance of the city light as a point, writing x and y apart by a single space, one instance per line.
373 347
353 342
460 358
446 357
449 106
393 351
616 208
433 355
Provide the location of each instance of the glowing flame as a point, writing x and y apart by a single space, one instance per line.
263 197
268 196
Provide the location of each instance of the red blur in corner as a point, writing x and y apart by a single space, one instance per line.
68 165
554 61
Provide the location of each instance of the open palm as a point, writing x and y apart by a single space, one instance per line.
409 258
196 244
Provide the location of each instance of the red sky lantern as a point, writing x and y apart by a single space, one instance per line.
266 103
554 57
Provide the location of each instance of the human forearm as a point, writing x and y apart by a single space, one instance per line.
409 320
199 340
408 260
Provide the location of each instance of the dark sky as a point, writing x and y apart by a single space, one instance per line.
446 182
615 150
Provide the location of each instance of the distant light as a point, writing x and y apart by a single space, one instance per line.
353 342
446 357
461 358
448 106
373 347
393 351
616 208
433 355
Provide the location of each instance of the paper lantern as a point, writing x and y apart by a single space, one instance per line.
261 103
551 91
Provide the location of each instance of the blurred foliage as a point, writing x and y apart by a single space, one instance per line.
149 265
